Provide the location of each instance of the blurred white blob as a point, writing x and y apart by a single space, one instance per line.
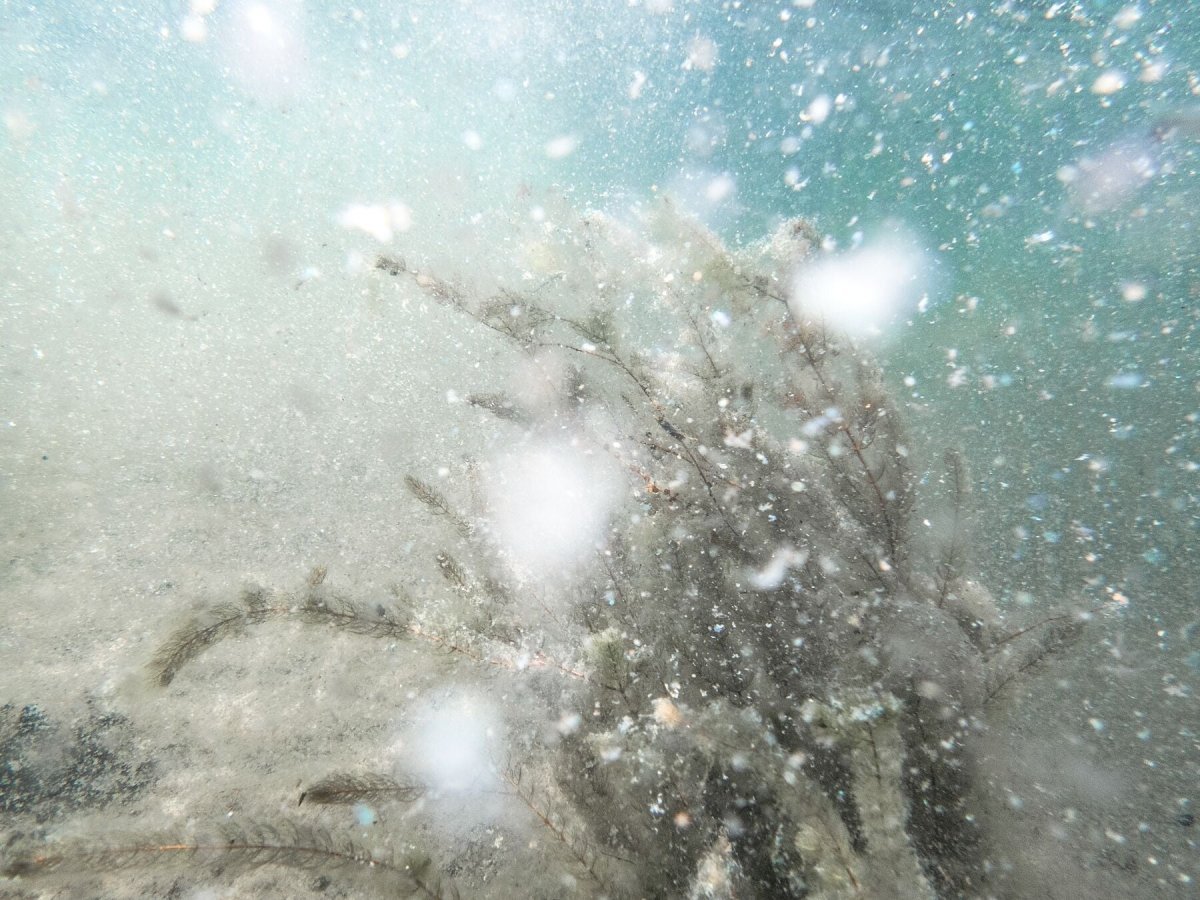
1109 82
1133 291
550 505
635 86
1100 183
263 46
19 126
719 189
193 28
1126 381
505 90
818 111
772 574
701 54
704 194
704 137
451 748
863 291
561 146
1127 17
381 221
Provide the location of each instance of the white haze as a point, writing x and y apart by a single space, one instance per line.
551 503
864 291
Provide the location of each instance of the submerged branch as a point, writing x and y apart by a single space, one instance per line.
239 847
193 638
345 788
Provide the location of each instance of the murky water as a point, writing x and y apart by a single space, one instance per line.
221 355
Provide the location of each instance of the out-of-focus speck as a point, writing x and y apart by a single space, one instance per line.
364 816
18 125
719 189
1133 291
818 111
307 274
636 85
1127 17
1109 83
561 146
569 723
504 90
193 29
1125 381
702 55
1152 71
381 221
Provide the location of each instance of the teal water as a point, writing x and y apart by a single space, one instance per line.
161 162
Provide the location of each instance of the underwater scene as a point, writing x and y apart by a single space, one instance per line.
600 449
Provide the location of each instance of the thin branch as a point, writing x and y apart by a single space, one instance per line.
292 844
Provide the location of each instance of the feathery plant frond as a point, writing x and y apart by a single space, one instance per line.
346 615
1013 661
234 846
194 637
763 566
500 406
347 788
437 503
954 553
563 824
257 606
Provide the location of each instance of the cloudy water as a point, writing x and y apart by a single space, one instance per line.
599 449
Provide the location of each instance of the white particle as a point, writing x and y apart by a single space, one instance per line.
561 146
635 87
1109 83
1126 381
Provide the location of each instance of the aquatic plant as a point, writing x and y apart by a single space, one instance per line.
232 847
779 685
